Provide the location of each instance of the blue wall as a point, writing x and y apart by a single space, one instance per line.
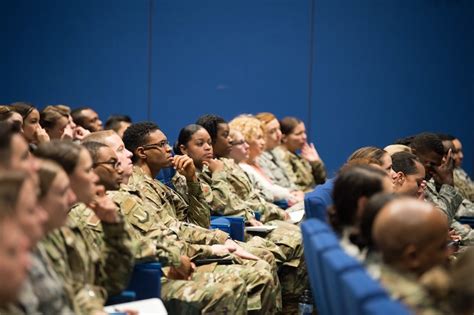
378 70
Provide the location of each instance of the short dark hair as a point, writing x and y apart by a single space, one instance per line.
185 135
351 184
136 135
404 141
210 123
93 147
288 124
64 152
427 142
446 137
405 162
78 117
113 122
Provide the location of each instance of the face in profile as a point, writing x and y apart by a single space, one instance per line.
240 147
30 125
108 168
59 128
91 120
458 155
410 185
430 161
272 135
157 151
199 147
256 145
222 144
83 179
123 155
31 216
57 201
296 139
14 260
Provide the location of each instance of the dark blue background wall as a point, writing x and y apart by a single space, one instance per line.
358 72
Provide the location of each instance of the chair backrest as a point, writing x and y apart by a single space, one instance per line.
317 201
358 288
384 306
237 226
222 224
146 280
334 263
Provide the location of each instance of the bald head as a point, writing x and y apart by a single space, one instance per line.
411 235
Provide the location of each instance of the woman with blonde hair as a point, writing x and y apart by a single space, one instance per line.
252 132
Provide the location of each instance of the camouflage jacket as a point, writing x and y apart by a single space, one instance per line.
447 198
42 292
154 236
230 192
277 175
406 288
90 270
195 211
304 174
464 184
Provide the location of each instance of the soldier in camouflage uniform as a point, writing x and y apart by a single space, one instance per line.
226 186
462 181
89 271
149 206
439 176
305 170
419 246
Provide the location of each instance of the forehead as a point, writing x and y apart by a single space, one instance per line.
89 113
299 128
222 127
432 157
114 141
273 124
107 153
155 136
201 134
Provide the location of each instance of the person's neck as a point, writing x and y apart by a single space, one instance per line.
147 169
251 161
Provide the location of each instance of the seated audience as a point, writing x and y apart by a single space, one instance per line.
251 129
56 123
462 181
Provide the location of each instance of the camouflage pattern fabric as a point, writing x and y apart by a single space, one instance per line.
464 184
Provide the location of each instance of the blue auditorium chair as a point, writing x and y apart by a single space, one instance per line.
317 201
357 289
237 226
467 220
124 297
384 306
146 280
166 175
334 263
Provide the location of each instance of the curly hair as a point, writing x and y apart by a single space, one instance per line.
136 136
248 125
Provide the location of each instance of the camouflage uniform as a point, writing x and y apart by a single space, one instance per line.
140 208
268 162
450 202
229 192
42 292
405 288
464 184
304 174
89 271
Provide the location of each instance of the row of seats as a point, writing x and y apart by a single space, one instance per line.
339 283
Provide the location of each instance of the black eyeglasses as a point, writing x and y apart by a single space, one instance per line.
114 163
159 145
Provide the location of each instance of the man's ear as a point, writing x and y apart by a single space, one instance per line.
409 257
140 152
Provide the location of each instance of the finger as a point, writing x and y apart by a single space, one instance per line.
100 190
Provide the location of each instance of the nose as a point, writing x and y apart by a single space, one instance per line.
128 154
207 146
42 214
305 137
71 197
94 177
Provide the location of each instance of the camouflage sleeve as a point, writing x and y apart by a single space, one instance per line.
319 172
198 235
464 184
221 198
118 259
448 199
